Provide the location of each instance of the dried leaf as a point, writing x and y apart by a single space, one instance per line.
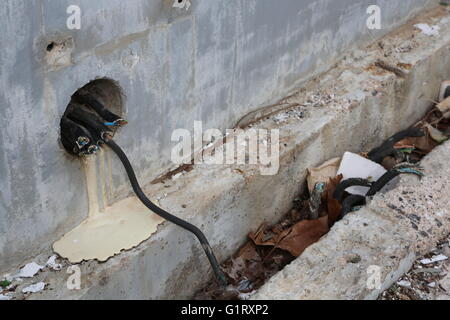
263 237
246 264
446 115
333 205
235 269
303 234
425 143
389 162
436 134
322 173
444 106
248 252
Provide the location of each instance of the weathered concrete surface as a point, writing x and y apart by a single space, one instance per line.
214 62
228 201
390 233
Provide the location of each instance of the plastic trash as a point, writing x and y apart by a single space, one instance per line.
355 166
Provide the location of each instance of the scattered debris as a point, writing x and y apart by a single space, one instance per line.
51 263
334 206
5 283
387 148
355 166
430 283
246 271
444 106
29 271
323 173
315 200
335 188
290 114
437 135
427 29
405 47
294 239
404 283
34 288
390 68
434 259
5 297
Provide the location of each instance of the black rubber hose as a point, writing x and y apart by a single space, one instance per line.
447 93
382 181
350 202
383 153
377 154
89 100
340 189
74 137
89 120
183 224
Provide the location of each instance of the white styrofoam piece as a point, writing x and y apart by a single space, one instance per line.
437 258
29 270
34 288
427 29
51 263
355 166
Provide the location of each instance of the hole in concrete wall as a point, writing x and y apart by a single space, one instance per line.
57 53
105 91
181 4
50 46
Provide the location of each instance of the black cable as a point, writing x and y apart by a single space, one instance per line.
447 93
387 148
90 120
183 224
92 102
382 181
383 153
340 189
350 202
406 168
75 138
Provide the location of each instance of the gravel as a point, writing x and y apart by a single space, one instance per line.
429 278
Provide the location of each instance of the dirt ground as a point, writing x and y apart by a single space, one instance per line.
427 280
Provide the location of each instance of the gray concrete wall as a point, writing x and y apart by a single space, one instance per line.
215 62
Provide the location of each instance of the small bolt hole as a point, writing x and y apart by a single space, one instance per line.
50 46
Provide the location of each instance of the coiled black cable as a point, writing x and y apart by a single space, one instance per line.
350 202
164 214
387 148
382 181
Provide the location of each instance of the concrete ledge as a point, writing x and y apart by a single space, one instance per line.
355 106
390 233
